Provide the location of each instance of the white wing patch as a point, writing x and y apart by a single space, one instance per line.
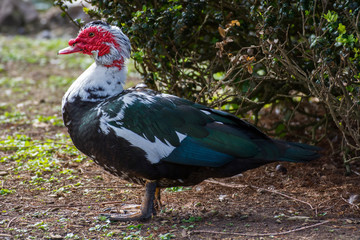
206 112
154 150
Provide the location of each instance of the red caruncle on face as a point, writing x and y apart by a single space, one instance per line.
94 39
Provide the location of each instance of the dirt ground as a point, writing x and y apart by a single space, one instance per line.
311 201
307 201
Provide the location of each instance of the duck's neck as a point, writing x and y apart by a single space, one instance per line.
97 83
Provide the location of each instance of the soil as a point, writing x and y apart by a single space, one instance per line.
268 205
298 201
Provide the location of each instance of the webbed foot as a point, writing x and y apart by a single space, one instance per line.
147 209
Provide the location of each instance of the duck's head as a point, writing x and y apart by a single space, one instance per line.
107 44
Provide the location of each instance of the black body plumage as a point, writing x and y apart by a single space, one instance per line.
161 117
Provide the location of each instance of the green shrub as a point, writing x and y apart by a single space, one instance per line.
299 59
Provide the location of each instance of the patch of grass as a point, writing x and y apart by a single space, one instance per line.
56 81
72 236
14 117
177 189
39 51
280 216
15 84
41 225
4 191
132 236
100 227
4 107
42 160
166 236
132 227
188 227
192 219
322 214
54 120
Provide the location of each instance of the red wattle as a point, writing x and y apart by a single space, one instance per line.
117 63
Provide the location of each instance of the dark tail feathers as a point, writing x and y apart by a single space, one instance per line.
298 152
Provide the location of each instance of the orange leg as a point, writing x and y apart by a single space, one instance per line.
157 202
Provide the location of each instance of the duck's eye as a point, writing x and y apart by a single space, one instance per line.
91 34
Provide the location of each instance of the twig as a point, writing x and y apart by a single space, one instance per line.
8 225
109 187
227 185
261 189
62 8
264 234
36 143
5 235
76 205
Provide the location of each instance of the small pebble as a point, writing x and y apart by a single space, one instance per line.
295 218
222 197
53 236
354 199
280 168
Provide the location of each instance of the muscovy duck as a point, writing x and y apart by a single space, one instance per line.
154 139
